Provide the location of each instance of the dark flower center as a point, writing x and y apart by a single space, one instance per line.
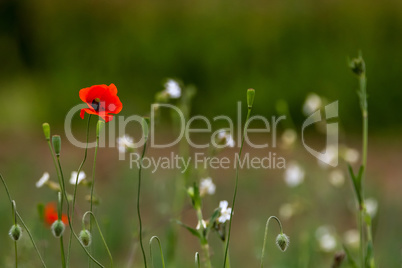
95 104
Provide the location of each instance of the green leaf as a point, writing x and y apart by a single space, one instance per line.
369 261
191 230
349 256
213 218
357 183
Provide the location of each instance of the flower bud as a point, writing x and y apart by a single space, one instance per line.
85 238
145 127
56 140
15 232
99 128
250 97
282 241
58 228
357 66
46 131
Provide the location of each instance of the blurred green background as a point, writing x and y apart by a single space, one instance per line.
49 50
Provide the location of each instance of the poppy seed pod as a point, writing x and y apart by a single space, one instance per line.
56 140
15 232
46 130
58 228
85 238
282 241
250 97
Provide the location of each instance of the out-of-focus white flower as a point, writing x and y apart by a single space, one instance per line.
351 155
225 211
286 211
352 238
124 143
331 157
371 206
294 174
204 225
207 187
225 137
326 238
288 138
172 89
45 177
73 177
336 178
312 103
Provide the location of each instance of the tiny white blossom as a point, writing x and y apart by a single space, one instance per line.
312 103
286 211
225 211
73 177
294 174
124 142
207 187
351 155
227 138
172 88
331 156
371 206
288 138
336 178
326 239
45 177
352 238
204 225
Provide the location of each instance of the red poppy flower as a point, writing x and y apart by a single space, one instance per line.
102 100
51 214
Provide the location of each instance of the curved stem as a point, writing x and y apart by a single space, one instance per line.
235 189
22 222
160 250
75 191
138 202
70 223
197 260
265 236
100 232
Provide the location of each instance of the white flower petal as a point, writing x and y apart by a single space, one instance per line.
45 177
73 177
173 89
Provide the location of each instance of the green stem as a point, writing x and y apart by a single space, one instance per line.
63 258
70 222
100 232
138 202
92 187
235 189
22 222
197 260
204 241
16 254
75 191
160 250
265 237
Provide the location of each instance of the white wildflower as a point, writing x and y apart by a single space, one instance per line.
204 225
172 89
73 177
288 138
294 174
352 238
351 155
226 138
124 143
326 238
286 211
336 178
45 177
207 187
312 103
225 211
331 157
371 206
